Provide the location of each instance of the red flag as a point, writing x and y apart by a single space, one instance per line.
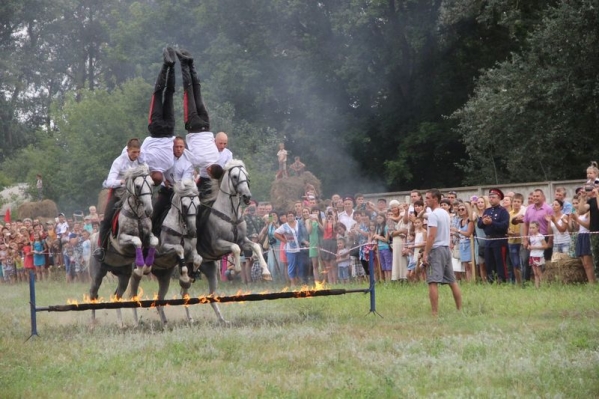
7 216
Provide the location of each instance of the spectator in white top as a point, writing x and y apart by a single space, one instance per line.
437 256
347 216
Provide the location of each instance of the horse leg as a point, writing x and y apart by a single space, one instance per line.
149 261
191 253
133 291
185 285
126 239
209 269
164 280
226 247
258 252
99 271
183 275
120 290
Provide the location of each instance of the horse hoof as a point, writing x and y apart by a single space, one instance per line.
266 277
139 272
147 269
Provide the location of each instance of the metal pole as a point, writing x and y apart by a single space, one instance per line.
32 307
372 285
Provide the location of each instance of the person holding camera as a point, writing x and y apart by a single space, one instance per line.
537 212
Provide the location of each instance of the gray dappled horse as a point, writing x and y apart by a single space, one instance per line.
135 229
221 226
177 244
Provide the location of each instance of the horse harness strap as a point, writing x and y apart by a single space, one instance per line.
226 218
175 233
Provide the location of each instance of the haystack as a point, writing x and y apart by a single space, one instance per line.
565 271
44 210
102 200
284 192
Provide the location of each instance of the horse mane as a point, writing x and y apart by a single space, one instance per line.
186 188
130 176
141 170
215 183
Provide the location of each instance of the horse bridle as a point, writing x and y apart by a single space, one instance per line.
136 193
183 216
235 185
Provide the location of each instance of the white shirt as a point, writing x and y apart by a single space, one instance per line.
118 169
62 228
224 156
182 169
347 220
439 219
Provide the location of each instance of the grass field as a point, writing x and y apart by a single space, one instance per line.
507 342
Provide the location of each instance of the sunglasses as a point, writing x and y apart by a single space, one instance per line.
461 209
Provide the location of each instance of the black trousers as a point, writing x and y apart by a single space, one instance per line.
194 110
161 206
161 121
494 261
114 196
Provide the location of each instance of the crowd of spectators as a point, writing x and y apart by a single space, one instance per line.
341 239
45 248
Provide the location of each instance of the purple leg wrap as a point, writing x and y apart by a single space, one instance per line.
139 257
150 257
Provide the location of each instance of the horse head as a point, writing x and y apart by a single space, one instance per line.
187 201
139 190
236 181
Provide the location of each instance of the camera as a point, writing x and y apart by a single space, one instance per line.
588 188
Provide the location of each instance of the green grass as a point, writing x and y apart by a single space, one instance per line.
507 342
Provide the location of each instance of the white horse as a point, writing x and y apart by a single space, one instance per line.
177 244
135 229
221 226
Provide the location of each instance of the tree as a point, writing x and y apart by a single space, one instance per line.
543 101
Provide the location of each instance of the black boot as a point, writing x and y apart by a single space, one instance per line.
184 56
169 56
161 79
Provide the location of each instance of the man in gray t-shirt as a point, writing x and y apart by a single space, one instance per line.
437 256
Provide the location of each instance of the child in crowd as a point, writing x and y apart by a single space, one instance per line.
408 251
27 257
419 238
382 238
39 258
593 173
536 246
282 158
342 261
85 255
9 263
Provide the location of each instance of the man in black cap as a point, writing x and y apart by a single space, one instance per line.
495 222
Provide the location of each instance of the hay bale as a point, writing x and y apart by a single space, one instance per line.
284 192
565 271
45 209
102 200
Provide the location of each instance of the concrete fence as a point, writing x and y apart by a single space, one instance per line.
465 193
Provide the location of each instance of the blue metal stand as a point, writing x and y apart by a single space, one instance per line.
372 285
32 306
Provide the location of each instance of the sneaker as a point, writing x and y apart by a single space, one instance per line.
99 254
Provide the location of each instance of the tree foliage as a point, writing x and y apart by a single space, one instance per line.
543 103
361 90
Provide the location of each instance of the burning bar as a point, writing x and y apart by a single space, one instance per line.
199 300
